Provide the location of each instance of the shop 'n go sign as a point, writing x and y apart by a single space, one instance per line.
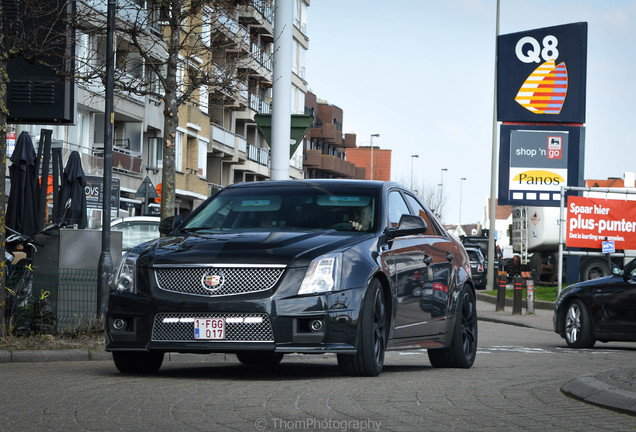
590 221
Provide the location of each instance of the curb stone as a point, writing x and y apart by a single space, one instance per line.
595 389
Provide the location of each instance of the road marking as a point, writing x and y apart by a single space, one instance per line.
515 349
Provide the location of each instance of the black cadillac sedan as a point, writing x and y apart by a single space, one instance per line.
315 266
601 309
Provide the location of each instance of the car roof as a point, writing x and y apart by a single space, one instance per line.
375 184
475 249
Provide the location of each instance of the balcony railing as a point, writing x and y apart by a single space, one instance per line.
124 160
261 57
258 155
232 25
259 105
228 138
242 144
264 8
312 158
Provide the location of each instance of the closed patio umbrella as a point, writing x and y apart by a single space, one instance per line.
22 204
73 183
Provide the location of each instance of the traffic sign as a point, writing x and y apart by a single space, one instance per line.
147 189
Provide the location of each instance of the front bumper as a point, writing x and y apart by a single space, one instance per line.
324 323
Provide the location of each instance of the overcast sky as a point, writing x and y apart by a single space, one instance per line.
420 73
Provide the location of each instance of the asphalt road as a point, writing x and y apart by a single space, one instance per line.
514 384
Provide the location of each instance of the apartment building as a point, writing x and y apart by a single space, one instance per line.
217 141
325 144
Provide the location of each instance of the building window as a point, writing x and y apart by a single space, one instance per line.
203 159
155 152
178 151
204 98
180 79
206 28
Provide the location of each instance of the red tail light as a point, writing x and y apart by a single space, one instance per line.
480 268
440 287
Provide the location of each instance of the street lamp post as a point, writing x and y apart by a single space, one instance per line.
413 157
441 185
461 182
372 135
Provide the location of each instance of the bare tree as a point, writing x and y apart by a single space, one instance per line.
178 52
175 51
435 200
431 196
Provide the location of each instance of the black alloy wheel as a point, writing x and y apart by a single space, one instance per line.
462 350
369 360
578 326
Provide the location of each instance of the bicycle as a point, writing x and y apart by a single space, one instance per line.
26 313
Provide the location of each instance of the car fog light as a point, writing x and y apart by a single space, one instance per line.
316 325
119 324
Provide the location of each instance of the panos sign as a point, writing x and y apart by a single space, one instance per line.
541 75
536 160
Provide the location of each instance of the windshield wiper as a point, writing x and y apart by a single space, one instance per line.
193 229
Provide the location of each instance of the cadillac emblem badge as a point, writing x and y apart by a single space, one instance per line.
212 281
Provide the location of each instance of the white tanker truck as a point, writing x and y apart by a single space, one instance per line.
539 241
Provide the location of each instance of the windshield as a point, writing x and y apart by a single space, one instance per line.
289 208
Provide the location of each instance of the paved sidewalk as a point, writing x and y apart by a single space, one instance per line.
541 319
614 388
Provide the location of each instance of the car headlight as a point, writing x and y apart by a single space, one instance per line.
323 275
123 278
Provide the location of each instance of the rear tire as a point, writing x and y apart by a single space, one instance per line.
595 269
577 326
145 362
462 350
259 358
373 331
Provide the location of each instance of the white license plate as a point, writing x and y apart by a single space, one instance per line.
209 328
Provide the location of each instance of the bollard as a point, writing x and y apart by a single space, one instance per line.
529 296
516 297
502 278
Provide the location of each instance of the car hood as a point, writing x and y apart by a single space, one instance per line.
287 248
586 285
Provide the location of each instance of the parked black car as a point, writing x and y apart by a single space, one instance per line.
601 309
477 267
322 266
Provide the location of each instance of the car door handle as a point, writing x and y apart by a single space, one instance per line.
450 257
427 259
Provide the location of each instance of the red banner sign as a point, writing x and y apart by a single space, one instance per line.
590 221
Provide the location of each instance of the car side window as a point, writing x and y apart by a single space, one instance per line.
418 210
397 207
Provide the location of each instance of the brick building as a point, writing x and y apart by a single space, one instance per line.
361 157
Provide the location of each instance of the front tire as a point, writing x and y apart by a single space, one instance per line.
462 350
259 358
138 361
578 326
373 331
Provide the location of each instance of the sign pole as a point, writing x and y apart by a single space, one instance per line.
492 209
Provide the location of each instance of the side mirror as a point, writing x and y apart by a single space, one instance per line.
408 225
167 225
617 270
